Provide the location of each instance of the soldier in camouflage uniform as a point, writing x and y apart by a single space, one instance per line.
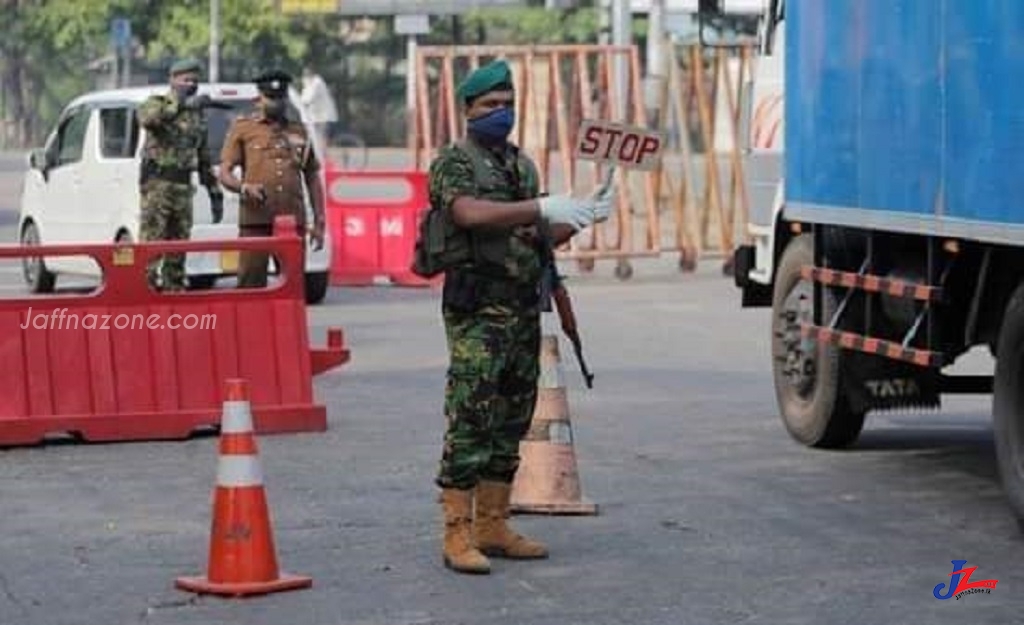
486 192
176 145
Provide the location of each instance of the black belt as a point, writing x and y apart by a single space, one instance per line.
468 291
152 171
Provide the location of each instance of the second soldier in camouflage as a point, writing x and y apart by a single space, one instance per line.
176 146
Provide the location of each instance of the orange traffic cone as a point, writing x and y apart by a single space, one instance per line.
242 558
548 481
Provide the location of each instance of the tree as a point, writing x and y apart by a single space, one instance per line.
47 49
44 46
254 36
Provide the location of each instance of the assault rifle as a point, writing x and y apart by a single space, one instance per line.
553 288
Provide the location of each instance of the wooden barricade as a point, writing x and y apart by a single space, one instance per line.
702 98
557 86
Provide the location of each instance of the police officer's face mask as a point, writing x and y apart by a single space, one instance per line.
495 125
274 108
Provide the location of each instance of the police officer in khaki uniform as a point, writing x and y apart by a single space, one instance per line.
276 157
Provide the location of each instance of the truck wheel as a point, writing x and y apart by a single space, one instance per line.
1008 403
807 374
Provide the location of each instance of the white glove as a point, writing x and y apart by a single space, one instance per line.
603 209
565 209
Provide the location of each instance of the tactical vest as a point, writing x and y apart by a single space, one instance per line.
442 245
172 152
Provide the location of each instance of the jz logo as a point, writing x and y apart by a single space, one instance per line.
959 582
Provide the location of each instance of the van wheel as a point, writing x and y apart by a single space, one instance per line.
808 375
316 287
37 277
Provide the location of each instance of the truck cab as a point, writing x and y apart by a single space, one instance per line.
82 187
763 159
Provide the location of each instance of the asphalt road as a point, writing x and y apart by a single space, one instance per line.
709 513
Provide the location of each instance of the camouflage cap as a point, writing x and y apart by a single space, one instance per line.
273 83
494 75
184 66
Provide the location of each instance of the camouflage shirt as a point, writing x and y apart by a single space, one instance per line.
176 138
504 178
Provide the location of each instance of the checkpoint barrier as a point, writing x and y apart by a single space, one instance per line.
373 218
122 363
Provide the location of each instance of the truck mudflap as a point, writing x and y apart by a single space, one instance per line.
877 383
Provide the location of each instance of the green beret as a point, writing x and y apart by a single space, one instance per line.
184 66
487 78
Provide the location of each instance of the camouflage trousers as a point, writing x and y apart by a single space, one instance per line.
166 216
490 394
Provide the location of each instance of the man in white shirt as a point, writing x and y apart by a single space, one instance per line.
319 104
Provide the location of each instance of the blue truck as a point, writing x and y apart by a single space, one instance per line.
887 216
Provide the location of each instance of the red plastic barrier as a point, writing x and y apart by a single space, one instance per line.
110 365
373 218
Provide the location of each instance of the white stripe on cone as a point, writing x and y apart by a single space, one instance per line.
237 418
239 471
551 374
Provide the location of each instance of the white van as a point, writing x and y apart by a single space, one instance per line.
82 187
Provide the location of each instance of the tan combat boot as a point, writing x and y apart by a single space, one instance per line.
459 552
491 531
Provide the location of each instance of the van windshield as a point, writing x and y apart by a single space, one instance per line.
220 120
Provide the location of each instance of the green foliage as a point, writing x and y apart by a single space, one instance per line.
44 47
530 25
64 26
184 30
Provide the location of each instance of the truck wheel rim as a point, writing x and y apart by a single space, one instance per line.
799 366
